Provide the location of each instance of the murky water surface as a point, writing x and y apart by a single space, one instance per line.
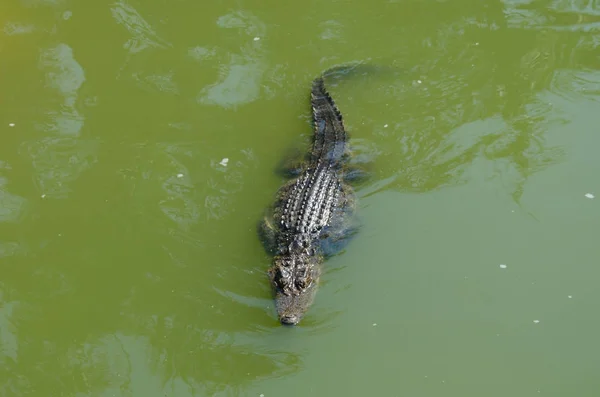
138 144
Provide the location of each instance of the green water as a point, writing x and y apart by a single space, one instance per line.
129 260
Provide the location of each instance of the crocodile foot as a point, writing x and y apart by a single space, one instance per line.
292 163
266 233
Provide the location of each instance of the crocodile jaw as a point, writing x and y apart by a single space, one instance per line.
292 307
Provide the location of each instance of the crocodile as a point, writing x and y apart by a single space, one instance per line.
311 217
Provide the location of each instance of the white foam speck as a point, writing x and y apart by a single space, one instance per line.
224 162
256 38
43 196
11 124
570 296
589 195
374 324
503 266
536 321
419 81
179 175
385 126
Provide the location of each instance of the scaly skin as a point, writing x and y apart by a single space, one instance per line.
310 217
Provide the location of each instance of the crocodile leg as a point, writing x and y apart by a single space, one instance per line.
292 162
266 233
359 163
356 175
338 239
267 227
344 225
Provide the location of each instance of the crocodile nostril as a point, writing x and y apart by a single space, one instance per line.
289 320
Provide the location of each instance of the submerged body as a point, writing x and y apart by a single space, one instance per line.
309 219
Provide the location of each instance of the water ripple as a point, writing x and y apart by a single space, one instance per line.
558 15
240 78
58 161
11 205
143 36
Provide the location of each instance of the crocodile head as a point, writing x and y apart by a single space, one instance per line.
294 280
292 307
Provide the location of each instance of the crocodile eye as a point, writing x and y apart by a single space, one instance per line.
304 282
282 278
284 274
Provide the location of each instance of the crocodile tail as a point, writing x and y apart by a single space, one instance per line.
329 131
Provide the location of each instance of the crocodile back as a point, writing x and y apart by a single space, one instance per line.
311 201
329 132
